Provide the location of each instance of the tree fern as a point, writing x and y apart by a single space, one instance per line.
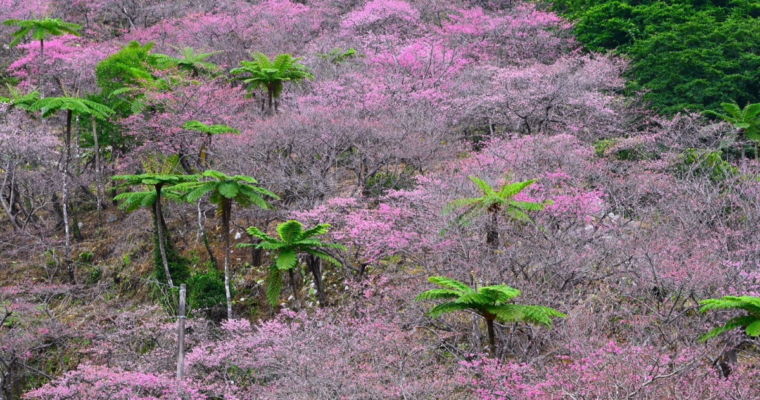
494 203
223 191
746 120
490 302
294 240
270 75
132 201
189 60
40 30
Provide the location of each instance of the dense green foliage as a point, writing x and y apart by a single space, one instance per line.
205 291
687 55
749 321
115 76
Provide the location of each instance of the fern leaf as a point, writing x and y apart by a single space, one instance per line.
514 188
483 185
438 294
274 286
290 231
450 283
286 260
732 324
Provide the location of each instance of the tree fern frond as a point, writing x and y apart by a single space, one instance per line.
502 293
438 294
512 189
732 324
450 283
323 256
290 231
274 286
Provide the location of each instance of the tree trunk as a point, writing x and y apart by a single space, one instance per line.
491 339
256 253
69 265
270 96
42 75
226 216
161 248
293 284
492 234
75 220
316 270
205 238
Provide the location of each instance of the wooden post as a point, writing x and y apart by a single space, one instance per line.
181 332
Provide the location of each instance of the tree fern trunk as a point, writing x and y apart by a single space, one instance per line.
293 284
316 270
205 238
492 234
491 339
69 265
226 216
159 218
42 75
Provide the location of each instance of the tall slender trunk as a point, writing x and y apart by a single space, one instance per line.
69 265
42 75
226 216
161 248
292 275
270 96
492 233
205 238
315 266
491 338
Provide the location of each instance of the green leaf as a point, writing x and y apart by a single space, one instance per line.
753 329
732 324
438 294
450 283
318 230
483 185
228 189
502 293
512 189
323 256
274 286
286 260
507 312
290 231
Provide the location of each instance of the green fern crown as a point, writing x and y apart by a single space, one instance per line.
492 302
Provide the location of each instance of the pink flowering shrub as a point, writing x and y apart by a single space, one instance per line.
297 356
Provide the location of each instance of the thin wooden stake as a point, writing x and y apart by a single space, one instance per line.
181 332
